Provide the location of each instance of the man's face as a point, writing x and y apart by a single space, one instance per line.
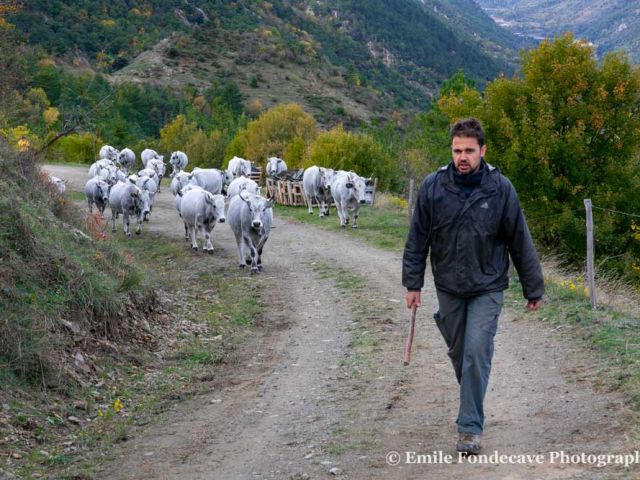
466 153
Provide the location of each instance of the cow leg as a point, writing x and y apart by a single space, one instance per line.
208 245
90 206
253 251
240 243
140 219
356 212
194 240
309 203
186 231
341 214
113 220
260 247
125 223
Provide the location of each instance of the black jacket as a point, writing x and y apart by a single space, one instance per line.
470 238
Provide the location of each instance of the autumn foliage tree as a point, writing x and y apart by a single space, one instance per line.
564 131
272 133
343 150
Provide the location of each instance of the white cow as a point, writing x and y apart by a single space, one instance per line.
127 199
58 183
109 153
349 192
210 179
179 161
147 184
316 185
275 166
200 210
126 159
97 192
158 165
238 167
179 181
250 217
149 172
99 165
147 154
242 183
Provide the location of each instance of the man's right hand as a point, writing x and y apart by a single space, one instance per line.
413 298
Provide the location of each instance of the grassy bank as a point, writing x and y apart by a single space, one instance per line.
98 336
204 310
384 225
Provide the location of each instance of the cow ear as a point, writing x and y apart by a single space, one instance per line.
349 185
269 203
368 182
135 194
243 195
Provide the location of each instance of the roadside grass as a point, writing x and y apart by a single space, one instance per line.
207 309
612 336
382 227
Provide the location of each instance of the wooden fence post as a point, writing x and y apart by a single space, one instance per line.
410 206
590 270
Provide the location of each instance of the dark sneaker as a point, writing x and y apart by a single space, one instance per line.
468 443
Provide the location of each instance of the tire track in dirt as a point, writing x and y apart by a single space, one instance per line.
277 413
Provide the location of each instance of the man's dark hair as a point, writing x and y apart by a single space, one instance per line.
469 128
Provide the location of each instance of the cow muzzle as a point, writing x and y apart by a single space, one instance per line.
256 224
221 220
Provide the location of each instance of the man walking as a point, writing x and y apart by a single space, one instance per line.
469 215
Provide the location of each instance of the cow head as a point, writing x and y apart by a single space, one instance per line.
102 191
256 207
227 178
216 202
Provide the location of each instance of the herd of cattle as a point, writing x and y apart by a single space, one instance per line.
206 196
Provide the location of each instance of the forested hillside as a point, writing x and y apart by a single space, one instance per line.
610 26
346 60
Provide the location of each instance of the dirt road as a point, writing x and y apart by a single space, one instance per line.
294 410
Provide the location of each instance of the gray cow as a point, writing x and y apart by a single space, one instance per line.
210 179
200 211
146 184
250 217
127 199
242 183
97 192
349 191
157 165
275 166
238 167
316 185
126 159
179 161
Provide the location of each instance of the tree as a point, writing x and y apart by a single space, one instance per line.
342 150
564 131
272 132
174 136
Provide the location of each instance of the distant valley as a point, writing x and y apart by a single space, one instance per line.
609 25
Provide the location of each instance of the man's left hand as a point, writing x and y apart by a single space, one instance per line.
534 304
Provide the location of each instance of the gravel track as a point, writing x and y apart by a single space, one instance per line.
280 409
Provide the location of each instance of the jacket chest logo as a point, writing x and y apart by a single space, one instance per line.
485 205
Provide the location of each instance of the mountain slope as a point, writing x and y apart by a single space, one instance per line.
345 60
609 25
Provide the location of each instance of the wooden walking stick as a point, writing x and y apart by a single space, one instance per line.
409 342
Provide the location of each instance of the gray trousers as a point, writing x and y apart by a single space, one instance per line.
468 326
